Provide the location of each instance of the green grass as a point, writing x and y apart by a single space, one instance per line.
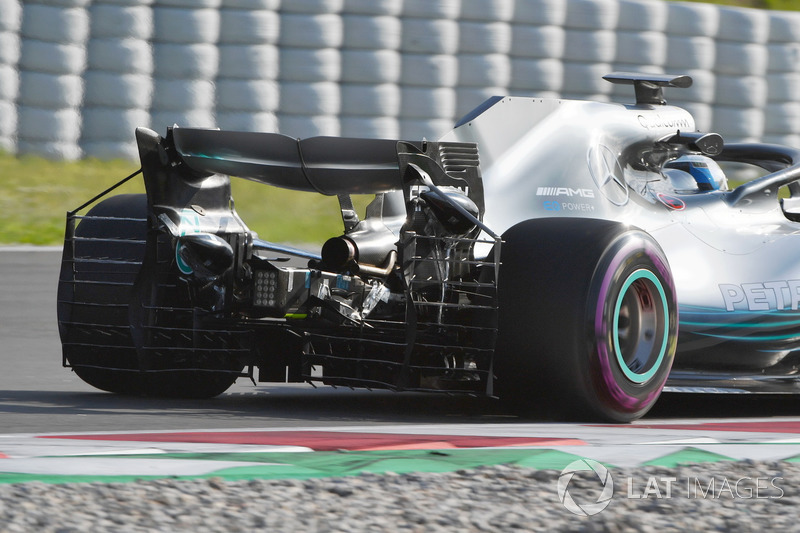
36 193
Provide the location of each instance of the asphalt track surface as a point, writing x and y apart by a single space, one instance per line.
37 395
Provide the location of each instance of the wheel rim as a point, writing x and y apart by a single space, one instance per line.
641 323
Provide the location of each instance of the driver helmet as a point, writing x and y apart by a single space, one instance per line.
706 172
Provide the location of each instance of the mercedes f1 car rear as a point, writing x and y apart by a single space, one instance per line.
547 271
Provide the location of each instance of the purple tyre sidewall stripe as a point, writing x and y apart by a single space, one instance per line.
606 359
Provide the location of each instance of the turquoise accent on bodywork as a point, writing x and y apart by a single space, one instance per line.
770 322
190 223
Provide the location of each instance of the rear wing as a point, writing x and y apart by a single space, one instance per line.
326 165
192 166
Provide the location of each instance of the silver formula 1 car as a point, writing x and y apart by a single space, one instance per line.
568 256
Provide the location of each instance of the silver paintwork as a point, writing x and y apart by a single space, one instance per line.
734 255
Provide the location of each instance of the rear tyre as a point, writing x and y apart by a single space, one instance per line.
95 291
588 319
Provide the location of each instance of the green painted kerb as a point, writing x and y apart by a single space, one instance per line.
328 464
343 463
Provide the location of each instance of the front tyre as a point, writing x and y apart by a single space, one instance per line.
588 319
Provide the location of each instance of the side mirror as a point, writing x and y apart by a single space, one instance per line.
710 144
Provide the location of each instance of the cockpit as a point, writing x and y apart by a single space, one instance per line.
677 164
